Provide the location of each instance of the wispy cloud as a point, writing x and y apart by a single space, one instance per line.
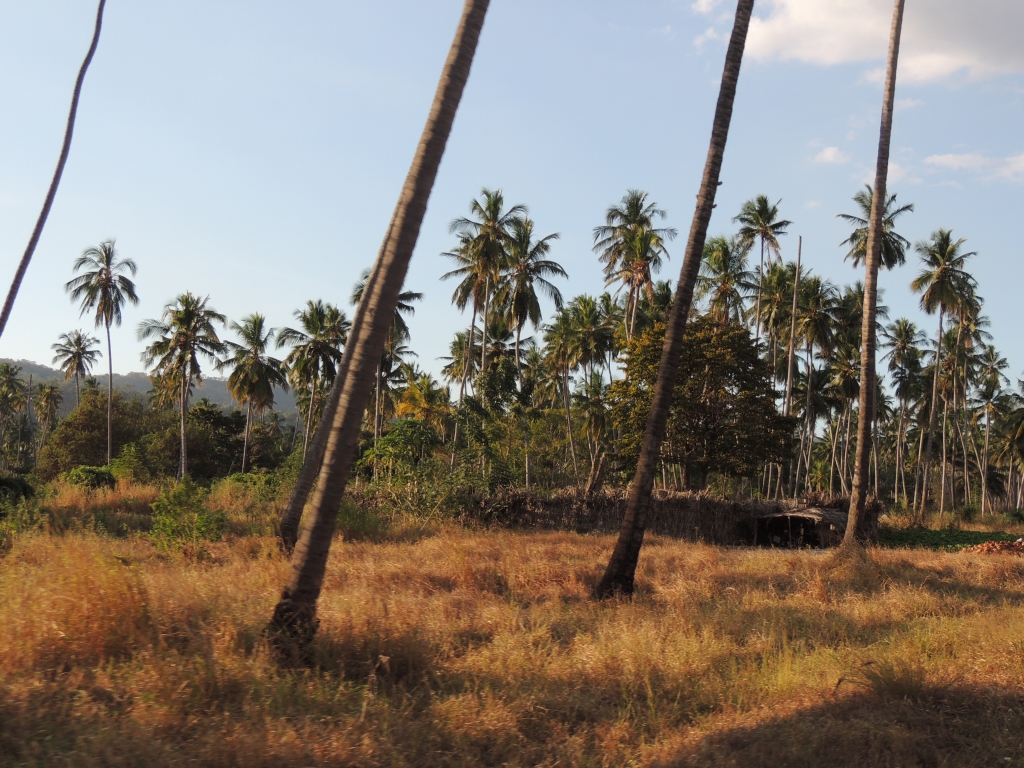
708 35
705 7
990 168
980 38
902 104
832 156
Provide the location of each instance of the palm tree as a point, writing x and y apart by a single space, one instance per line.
619 575
904 340
316 351
183 333
992 380
724 279
75 357
294 620
105 288
759 220
527 269
631 248
943 284
873 257
254 373
894 245
48 398
69 130
486 240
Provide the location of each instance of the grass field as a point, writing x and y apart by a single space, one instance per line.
459 648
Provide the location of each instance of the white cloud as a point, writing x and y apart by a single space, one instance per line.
812 204
832 156
708 34
990 168
704 6
940 37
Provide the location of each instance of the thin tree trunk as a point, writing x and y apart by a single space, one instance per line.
942 491
568 427
791 352
309 419
110 400
984 468
294 620
760 280
245 439
19 275
186 384
933 417
873 253
462 386
78 393
621 570
487 312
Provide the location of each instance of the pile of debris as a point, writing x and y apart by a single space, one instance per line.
997 547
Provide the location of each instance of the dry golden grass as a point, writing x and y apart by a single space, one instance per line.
483 649
126 507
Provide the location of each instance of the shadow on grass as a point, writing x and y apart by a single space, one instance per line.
946 539
946 727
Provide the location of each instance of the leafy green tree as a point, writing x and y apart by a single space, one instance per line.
723 417
184 333
104 287
75 357
254 373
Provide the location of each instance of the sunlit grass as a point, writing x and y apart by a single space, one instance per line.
484 649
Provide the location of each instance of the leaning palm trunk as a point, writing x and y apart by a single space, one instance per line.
619 575
19 275
294 621
288 530
873 254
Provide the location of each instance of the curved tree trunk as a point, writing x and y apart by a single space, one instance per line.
19 275
857 526
294 620
110 399
619 575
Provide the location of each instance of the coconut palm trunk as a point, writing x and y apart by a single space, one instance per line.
933 417
294 620
619 575
245 437
110 399
858 527
186 382
69 130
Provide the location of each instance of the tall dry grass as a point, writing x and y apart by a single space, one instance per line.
483 649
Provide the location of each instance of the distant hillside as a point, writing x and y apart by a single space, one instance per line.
215 389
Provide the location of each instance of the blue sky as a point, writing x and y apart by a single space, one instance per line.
253 151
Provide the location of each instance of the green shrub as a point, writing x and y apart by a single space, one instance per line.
356 524
90 477
129 465
180 516
14 487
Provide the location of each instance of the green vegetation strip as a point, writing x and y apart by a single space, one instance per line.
946 540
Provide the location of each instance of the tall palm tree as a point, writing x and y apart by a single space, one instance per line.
69 130
759 220
48 398
894 245
903 340
75 357
527 270
183 333
724 279
992 380
486 238
294 620
632 248
104 287
316 351
619 575
944 284
873 258
254 373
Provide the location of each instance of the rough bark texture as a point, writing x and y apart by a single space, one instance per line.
872 257
294 621
618 577
19 275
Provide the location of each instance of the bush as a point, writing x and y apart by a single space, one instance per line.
180 516
14 487
91 477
